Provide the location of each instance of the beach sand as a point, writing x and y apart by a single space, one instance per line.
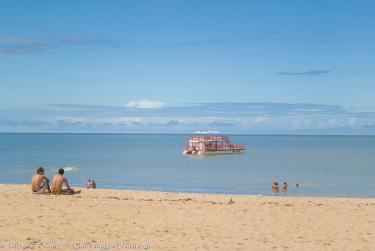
176 221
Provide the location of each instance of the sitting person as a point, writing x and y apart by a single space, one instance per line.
93 184
57 184
40 182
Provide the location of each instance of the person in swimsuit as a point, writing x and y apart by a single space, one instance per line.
40 182
275 187
89 184
285 187
93 184
57 184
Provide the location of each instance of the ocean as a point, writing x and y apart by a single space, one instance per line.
342 166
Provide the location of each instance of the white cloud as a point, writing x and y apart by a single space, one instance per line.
145 104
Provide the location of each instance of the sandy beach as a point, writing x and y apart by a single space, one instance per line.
121 219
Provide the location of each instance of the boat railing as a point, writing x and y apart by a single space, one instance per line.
225 147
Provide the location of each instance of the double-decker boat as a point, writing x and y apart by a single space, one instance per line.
213 144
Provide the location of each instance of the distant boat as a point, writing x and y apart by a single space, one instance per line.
212 144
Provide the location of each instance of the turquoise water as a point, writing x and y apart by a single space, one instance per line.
322 165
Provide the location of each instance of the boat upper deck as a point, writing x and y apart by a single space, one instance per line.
213 138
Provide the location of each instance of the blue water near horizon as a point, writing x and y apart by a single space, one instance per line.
322 165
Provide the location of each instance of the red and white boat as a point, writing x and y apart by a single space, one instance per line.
213 144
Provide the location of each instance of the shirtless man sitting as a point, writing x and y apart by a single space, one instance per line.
40 182
57 183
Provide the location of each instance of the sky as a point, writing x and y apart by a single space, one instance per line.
165 63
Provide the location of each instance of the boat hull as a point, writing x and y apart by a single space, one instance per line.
221 152
214 152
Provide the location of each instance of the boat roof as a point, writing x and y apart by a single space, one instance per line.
210 138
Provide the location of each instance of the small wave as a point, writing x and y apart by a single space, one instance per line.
70 169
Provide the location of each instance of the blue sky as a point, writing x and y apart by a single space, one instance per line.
178 54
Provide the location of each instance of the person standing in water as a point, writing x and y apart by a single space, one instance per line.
275 187
89 184
285 187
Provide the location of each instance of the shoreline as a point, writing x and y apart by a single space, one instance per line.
277 195
280 195
184 221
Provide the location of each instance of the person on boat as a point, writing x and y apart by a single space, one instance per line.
40 182
285 187
275 187
57 184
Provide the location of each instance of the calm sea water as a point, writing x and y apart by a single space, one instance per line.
321 165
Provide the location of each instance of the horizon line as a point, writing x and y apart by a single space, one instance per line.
234 134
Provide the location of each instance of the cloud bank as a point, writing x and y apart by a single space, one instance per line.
146 117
